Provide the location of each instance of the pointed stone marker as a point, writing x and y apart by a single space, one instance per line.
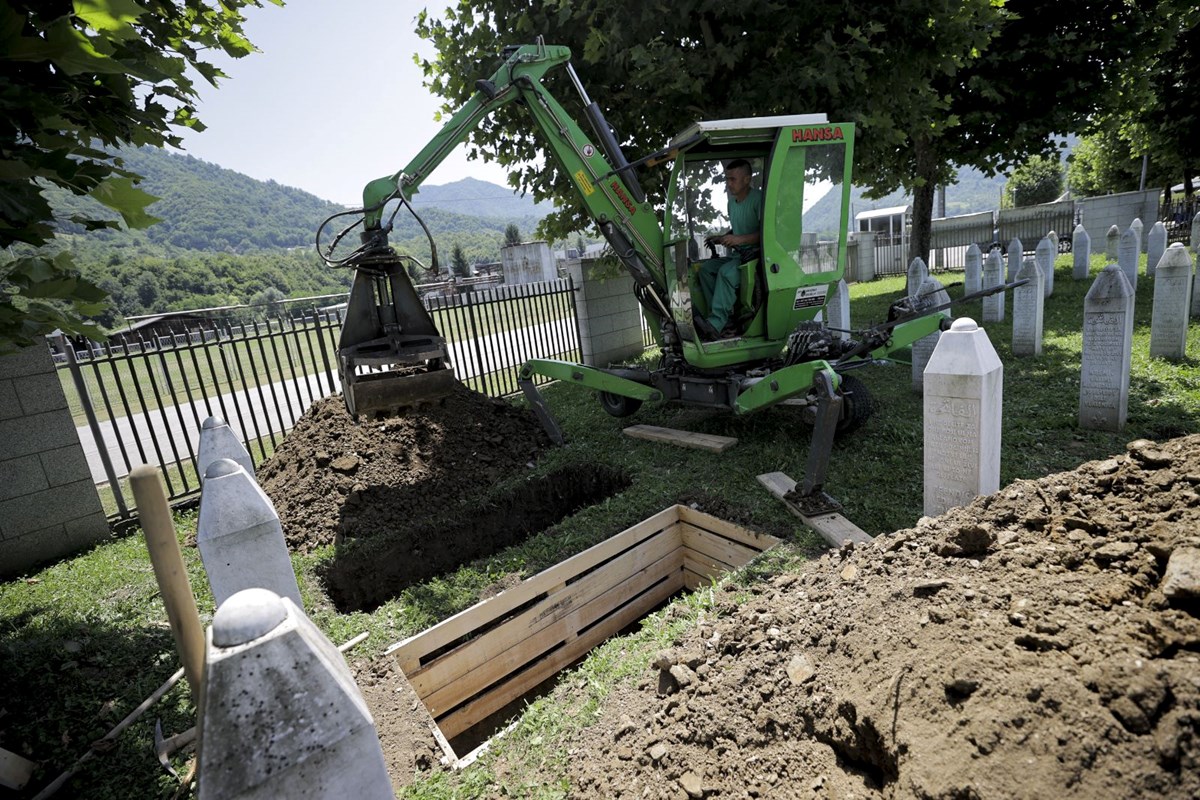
1112 243
1127 257
1136 227
1016 252
281 715
932 294
1028 304
973 266
1107 350
917 272
964 394
1156 245
1195 240
240 538
217 440
1053 237
1172 304
993 275
1047 251
839 310
1081 251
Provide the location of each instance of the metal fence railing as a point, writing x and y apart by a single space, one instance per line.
141 398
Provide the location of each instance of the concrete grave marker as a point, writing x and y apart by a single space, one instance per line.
281 714
1028 310
1047 251
973 265
917 272
1107 350
1112 243
993 275
932 293
217 440
1081 251
1156 245
1053 237
1136 227
1016 251
239 536
839 310
964 394
1172 304
1127 257
1195 240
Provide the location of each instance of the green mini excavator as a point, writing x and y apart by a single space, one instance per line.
391 355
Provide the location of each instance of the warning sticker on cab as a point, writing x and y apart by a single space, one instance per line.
810 297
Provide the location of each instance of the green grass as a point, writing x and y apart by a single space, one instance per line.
85 640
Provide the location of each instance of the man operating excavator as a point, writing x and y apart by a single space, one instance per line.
718 277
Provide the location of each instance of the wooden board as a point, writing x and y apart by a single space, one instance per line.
696 540
758 541
409 652
833 528
697 441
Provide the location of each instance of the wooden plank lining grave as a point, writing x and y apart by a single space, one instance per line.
479 661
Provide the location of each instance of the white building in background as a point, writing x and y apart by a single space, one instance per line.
528 262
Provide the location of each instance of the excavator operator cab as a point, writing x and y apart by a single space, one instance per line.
796 160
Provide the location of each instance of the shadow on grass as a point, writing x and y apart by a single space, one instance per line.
66 683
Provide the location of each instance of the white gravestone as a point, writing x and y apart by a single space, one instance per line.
993 275
1107 350
1127 257
1172 305
1195 240
917 272
1112 243
1081 251
1053 237
1016 251
281 715
1047 251
931 293
973 266
1156 245
217 440
1028 310
240 538
1136 227
839 310
964 398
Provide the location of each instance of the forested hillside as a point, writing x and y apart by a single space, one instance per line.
225 238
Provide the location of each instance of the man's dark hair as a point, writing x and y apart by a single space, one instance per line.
739 163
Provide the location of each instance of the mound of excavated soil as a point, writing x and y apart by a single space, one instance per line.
1032 644
409 464
1027 645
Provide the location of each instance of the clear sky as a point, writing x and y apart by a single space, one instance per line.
333 101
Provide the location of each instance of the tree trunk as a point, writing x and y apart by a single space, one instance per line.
922 213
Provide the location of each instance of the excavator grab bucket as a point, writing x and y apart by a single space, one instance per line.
390 355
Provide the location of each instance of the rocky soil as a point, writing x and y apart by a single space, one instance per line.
1041 642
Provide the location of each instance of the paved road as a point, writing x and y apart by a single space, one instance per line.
275 408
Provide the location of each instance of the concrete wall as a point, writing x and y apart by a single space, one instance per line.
1101 213
860 257
528 263
48 503
610 319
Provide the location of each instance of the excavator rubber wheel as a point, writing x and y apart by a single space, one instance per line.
857 405
618 405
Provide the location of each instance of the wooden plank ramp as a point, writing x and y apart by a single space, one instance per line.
696 441
833 528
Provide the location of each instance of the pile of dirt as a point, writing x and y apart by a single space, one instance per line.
1032 644
321 474
1040 642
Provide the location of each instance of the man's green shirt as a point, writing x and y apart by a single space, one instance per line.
746 217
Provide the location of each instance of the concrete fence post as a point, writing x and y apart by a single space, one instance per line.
240 537
281 715
963 403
